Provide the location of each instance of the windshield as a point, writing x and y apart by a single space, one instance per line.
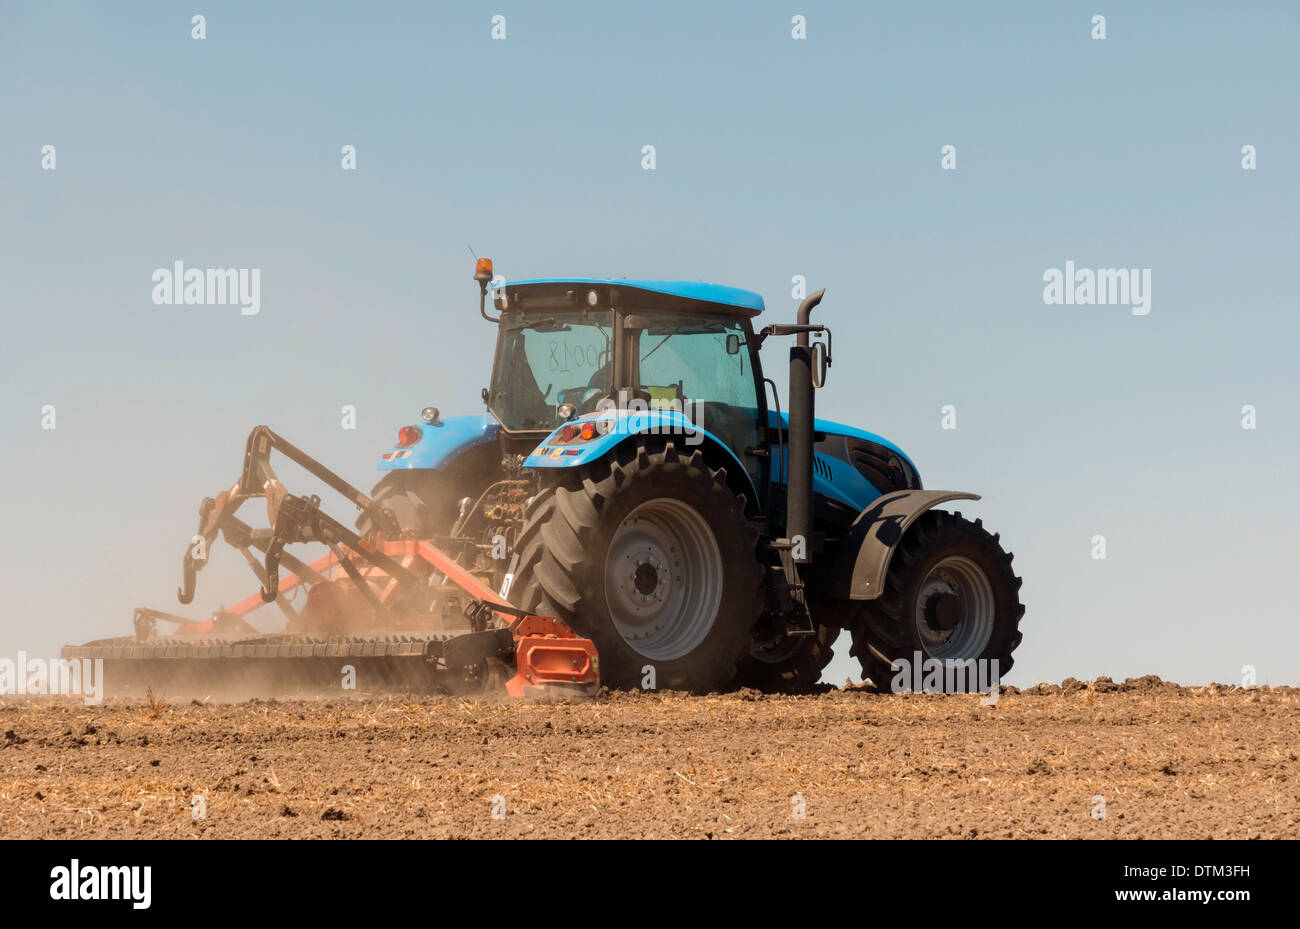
544 361
686 359
702 367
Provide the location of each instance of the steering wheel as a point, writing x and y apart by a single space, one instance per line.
583 398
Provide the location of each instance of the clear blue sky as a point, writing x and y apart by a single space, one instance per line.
775 157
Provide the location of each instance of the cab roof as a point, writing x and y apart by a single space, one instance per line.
642 295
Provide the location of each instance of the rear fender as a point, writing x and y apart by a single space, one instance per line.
865 553
442 443
619 426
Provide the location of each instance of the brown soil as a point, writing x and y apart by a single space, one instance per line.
1169 761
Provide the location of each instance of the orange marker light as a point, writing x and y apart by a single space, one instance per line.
588 431
483 269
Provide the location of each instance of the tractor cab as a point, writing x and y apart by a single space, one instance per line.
683 351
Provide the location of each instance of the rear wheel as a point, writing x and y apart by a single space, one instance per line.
422 501
648 553
950 595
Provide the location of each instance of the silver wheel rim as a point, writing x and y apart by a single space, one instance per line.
960 577
663 579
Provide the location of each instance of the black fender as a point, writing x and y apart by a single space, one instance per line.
865 553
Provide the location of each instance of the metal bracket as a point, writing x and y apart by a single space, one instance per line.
786 591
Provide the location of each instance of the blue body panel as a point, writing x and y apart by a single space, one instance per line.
832 478
846 484
687 290
620 425
442 443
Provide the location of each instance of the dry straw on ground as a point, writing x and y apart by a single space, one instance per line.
1168 762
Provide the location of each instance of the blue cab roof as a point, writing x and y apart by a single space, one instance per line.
700 291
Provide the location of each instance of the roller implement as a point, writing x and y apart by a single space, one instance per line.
629 509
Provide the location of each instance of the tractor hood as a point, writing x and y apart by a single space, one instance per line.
832 428
851 465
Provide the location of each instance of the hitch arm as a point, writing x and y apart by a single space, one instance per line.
299 519
258 479
257 472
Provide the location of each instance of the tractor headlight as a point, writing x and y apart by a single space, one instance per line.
430 415
910 479
883 467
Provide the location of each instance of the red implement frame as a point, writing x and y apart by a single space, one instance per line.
386 571
546 650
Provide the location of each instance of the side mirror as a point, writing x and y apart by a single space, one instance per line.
733 344
820 361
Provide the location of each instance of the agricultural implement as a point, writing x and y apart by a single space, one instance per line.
629 491
385 612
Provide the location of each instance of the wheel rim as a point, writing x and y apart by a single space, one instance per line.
955 611
663 579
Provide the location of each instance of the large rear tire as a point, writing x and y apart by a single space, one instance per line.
422 501
648 553
950 594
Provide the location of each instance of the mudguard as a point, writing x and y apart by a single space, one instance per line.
617 426
441 443
863 559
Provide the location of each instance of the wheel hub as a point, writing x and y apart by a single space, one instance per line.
663 579
649 577
955 610
943 611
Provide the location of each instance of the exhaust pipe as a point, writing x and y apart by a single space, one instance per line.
799 495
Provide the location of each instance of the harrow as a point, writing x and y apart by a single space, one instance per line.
383 611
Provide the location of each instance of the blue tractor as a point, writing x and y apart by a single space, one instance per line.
634 475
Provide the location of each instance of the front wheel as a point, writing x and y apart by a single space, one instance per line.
950 595
649 554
